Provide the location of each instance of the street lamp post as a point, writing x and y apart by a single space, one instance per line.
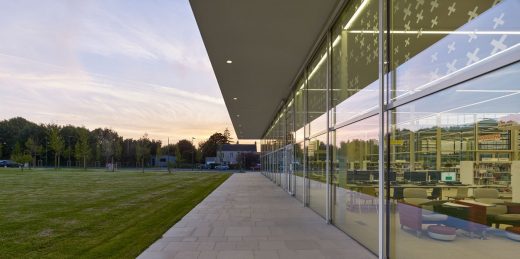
192 155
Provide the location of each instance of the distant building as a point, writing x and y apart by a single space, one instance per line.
162 161
211 160
227 154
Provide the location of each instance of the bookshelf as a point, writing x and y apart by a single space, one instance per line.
485 172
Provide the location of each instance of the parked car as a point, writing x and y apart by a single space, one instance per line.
9 163
222 167
256 167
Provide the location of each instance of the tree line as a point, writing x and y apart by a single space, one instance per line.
51 145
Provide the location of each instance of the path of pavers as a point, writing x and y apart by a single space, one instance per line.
250 217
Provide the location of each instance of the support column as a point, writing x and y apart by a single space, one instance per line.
382 249
328 195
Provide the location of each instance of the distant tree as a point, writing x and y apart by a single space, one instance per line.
158 152
128 154
227 135
19 156
186 150
56 144
209 147
1 151
168 150
33 148
70 135
155 145
107 141
118 149
82 148
17 130
178 156
142 149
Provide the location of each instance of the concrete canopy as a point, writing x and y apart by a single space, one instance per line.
267 41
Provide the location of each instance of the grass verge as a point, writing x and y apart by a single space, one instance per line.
69 214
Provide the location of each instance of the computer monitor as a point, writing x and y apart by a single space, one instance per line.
415 176
448 176
358 175
391 176
434 176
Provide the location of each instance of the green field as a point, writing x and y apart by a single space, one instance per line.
93 214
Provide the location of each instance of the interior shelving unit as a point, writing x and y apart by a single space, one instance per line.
485 172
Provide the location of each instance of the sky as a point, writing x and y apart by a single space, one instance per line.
133 66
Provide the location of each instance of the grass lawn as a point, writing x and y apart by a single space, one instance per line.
93 214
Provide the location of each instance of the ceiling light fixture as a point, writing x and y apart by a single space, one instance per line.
229 61
235 98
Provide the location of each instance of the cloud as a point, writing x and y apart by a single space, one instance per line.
132 68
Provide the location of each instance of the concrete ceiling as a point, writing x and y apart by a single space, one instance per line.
268 41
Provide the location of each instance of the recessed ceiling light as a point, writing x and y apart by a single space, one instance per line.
229 61
238 115
235 98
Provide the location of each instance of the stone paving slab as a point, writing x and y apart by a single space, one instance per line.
250 217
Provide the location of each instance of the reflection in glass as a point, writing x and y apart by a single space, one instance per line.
459 145
316 172
448 151
355 181
298 170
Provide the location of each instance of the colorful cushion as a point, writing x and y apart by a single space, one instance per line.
513 233
515 230
442 232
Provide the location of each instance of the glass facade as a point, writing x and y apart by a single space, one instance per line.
408 139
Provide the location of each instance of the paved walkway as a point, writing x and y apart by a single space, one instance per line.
250 217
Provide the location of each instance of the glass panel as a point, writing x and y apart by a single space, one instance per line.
434 40
289 122
289 166
298 170
316 161
355 61
283 169
355 181
455 170
279 166
317 92
299 103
